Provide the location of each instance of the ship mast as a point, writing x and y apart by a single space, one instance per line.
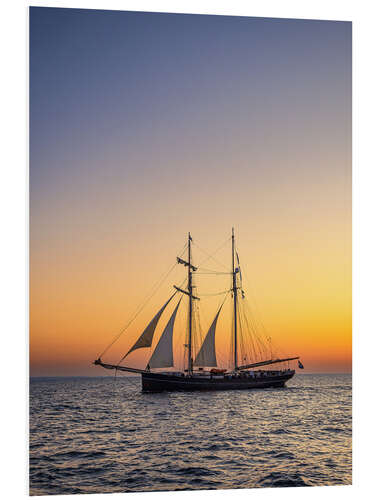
190 290
192 297
234 271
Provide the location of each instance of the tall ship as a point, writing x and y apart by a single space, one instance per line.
252 364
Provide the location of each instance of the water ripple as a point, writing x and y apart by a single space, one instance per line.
100 435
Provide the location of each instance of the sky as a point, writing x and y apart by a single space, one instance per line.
145 126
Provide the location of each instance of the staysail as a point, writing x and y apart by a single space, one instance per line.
145 340
207 354
162 357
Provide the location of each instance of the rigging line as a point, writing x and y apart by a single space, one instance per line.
118 364
242 335
251 337
223 302
198 329
150 348
214 294
217 311
254 337
252 293
154 289
152 292
225 298
212 272
212 255
258 338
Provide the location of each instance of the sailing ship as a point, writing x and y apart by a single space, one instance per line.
201 372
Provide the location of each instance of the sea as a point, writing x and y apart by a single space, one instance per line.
103 435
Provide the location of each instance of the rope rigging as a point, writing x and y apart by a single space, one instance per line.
140 308
212 272
214 294
211 256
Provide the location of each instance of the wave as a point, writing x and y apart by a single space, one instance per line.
278 480
88 438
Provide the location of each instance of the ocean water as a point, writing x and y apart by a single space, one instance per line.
101 435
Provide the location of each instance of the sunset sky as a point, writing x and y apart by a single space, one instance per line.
146 126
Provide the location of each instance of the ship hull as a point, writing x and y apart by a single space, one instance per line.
159 382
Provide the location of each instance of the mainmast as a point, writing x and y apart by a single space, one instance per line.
234 272
190 290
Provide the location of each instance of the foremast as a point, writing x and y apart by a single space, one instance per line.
234 287
189 292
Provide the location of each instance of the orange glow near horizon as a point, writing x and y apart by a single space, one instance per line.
187 123
305 306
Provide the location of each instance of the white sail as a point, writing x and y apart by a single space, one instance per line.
145 340
162 357
207 354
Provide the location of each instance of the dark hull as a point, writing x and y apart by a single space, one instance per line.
159 382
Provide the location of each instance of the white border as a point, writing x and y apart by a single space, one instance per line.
14 185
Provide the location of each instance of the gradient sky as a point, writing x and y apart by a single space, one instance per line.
145 126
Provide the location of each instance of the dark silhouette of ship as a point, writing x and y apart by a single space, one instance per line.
201 372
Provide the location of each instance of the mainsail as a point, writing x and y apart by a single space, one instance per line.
145 340
207 354
162 357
